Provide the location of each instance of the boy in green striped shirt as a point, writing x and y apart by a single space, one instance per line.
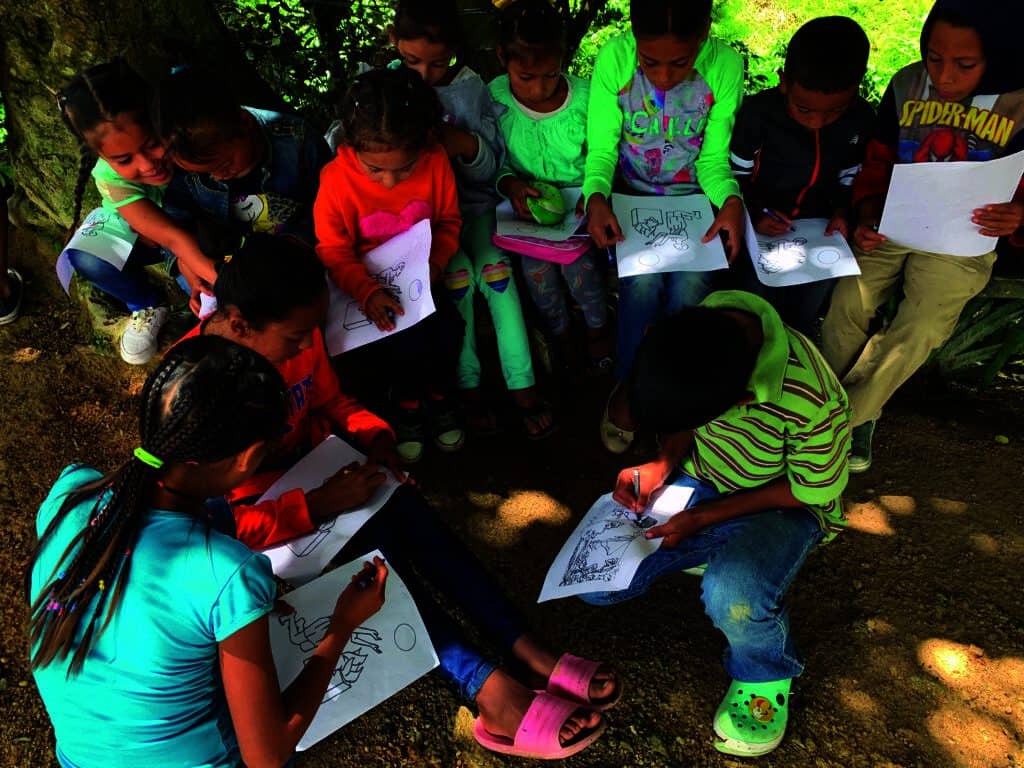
757 422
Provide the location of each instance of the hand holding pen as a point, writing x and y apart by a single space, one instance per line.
634 485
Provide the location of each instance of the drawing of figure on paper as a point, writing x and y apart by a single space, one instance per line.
304 546
781 255
661 227
389 278
597 554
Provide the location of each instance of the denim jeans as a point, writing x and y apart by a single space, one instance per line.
643 299
412 537
129 284
751 561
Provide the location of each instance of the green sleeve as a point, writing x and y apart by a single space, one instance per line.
722 67
500 97
604 116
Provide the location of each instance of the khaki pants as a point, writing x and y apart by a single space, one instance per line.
935 286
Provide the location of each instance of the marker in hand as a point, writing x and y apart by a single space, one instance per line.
367 577
776 217
636 492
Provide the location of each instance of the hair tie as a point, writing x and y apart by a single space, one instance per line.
148 458
228 257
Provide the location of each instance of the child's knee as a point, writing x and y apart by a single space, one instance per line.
459 284
497 277
734 600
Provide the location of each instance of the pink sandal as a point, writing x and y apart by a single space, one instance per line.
571 678
537 736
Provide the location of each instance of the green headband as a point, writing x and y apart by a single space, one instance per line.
148 458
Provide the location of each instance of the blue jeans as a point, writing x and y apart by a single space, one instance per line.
751 561
643 299
128 285
411 536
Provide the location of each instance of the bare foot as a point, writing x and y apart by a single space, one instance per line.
537 416
603 685
503 701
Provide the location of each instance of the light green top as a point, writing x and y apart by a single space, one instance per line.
116 191
663 142
543 147
797 425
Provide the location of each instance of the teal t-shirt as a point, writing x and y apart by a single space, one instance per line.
116 191
150 692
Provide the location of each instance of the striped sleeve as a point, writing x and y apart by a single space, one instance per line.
816 455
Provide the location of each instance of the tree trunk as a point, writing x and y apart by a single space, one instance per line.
45 42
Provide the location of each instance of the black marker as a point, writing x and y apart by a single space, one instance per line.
366 578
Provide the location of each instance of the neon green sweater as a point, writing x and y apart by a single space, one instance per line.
663 142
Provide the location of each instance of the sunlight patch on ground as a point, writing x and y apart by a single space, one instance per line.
868 517
972 739
856 700
948 506
898 505
502 522
984 544
471 754
25 355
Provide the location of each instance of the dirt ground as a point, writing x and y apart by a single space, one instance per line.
911 622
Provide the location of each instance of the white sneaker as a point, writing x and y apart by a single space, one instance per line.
138 342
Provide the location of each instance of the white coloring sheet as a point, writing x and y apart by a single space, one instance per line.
606 548
663 234
106 235
301 559
402 266
384 655
803 255
929 205
510 225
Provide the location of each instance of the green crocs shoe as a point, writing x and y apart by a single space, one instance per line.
751 720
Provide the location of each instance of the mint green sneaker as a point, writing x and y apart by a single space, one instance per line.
860 447
751 720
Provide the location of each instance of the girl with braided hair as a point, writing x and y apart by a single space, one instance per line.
149 628
106 108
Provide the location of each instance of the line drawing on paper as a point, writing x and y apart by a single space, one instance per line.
389 278
661 227
782 255
354 317
307 544
826 257
599 551
415 290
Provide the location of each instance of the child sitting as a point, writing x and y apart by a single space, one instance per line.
663 99
540 106
391 172
756 420
107 109
245 169
797 148
942 108
258 311
427 35
149 626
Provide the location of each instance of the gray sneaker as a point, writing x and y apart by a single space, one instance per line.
860 447
138 342
10 308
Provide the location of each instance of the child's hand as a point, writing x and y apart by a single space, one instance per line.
652 477
517 190
838 223
999 219
730 221
364 595
680 526
602 225
772 224
346 489
384 452
382 308
459 143
867 238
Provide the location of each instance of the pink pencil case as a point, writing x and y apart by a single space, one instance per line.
560 252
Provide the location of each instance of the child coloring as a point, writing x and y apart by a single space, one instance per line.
663 99
542 106
107 109
796 150
406 529
134 593
427 36
391 172
963 101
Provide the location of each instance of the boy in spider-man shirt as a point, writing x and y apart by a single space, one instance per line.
797 148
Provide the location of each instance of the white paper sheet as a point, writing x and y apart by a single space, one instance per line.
804 255
104 234
401 265
387 653
929 205
510 225
606 548
663 234
299 560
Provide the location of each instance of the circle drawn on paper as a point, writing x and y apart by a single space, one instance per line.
415 290
405 637
648 259
826 257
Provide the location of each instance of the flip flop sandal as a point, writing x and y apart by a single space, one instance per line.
613 437
533 416
571 679
537 736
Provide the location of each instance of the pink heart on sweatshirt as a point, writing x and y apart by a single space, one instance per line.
383 225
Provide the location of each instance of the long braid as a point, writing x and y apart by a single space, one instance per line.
208 400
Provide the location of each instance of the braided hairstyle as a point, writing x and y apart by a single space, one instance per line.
531 31
98 95
209 399
390 108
